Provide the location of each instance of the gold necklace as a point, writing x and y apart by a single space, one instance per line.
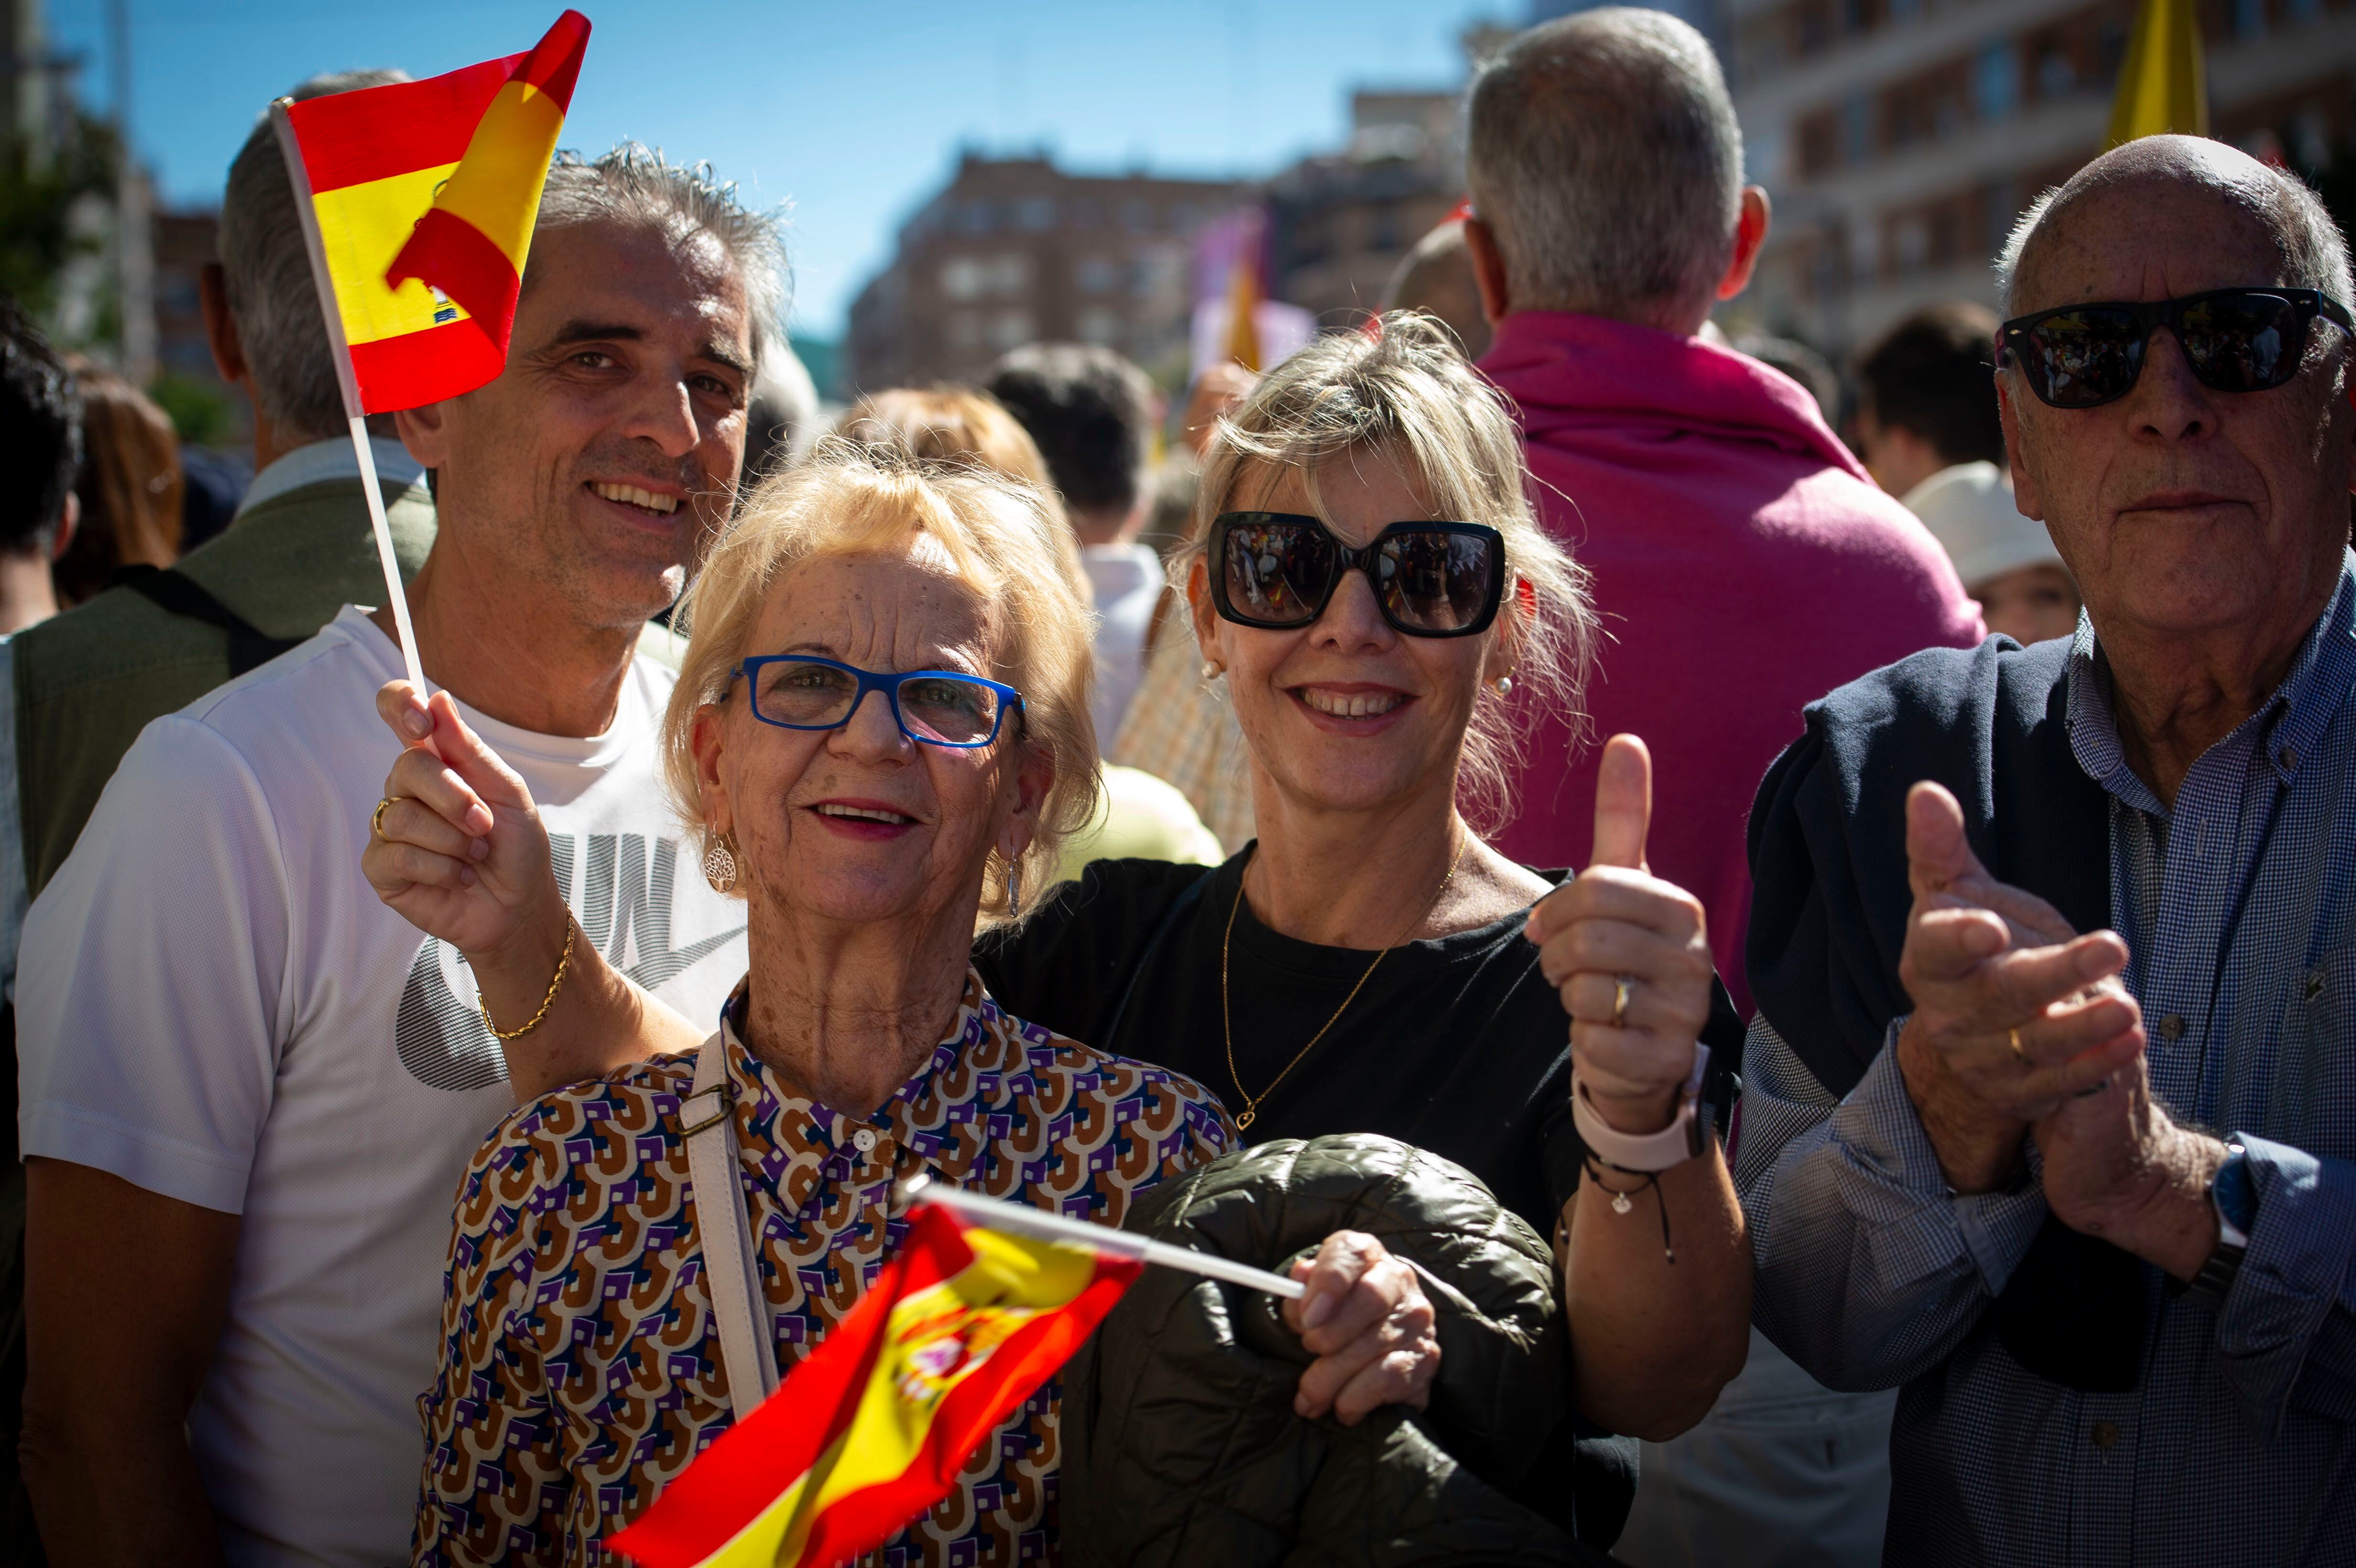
1226 1013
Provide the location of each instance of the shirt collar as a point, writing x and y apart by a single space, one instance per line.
324 460
2289 723
762 1100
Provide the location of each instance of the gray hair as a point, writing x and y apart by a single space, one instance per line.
634 187
1605 156
266 271
2312 252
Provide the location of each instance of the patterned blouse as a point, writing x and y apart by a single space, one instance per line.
581 1361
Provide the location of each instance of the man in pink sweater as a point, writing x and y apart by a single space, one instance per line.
1743 562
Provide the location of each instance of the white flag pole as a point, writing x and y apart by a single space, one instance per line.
397 594
1026 1221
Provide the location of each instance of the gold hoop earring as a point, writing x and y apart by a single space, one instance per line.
720 863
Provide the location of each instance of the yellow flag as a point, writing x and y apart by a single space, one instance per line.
1243 297
2162 87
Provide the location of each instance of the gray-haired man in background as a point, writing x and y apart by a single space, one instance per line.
89 681
249 1088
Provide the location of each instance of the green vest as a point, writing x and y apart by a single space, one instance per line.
89 680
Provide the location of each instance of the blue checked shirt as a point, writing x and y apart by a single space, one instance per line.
2239 908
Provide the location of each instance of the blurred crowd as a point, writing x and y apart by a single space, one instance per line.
232 1244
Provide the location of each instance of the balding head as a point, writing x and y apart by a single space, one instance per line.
1605 158
2270 213
2202 524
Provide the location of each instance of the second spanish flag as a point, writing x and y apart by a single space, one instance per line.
423 195
872 1428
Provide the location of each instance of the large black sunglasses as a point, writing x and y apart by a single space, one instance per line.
1277 570
2235 340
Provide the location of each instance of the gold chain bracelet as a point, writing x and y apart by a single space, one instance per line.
563 961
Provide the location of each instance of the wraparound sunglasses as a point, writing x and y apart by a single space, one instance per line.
1277 570
2235 340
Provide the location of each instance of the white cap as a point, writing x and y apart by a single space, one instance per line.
1969 510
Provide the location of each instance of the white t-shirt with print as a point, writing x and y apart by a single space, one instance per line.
212 1004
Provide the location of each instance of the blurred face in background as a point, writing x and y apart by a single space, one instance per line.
2032 604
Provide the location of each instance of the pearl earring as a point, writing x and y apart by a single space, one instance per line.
1211 670
720 863
1505 685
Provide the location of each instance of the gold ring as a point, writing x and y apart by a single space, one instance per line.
1622 989
2013 1035
376 818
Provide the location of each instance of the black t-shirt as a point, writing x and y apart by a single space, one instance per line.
1457 1045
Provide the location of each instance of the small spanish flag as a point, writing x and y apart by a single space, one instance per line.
962 1326
420 197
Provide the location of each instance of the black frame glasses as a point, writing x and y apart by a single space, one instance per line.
1006 698
2234 340
1315 561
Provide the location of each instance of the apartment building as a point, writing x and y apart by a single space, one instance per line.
1899 139
1016 250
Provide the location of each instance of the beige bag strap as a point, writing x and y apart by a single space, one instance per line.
707 1118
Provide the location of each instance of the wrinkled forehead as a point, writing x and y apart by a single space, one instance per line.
2160 234
645 277
904 606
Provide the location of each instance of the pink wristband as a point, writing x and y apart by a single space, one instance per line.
1674 1144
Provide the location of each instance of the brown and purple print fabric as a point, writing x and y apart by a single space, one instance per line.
581 1365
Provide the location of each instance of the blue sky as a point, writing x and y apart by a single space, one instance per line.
851 113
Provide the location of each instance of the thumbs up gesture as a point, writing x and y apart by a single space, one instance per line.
1630 954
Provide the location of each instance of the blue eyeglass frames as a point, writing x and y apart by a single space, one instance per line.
933 707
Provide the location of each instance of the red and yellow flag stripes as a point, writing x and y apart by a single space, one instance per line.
423 195
872 1428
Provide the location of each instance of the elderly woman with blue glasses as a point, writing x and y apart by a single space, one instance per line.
881 729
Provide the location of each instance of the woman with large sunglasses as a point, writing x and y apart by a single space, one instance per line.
1373 592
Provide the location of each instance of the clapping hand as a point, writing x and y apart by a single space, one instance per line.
1630 954
2014 1012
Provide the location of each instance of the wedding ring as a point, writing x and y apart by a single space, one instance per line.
1622 988
2014 1035
376 818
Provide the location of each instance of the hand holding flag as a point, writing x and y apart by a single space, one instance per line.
962 1326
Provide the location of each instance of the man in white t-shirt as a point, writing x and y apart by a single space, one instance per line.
249 1088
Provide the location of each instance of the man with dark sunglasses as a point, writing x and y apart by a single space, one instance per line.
2047 1114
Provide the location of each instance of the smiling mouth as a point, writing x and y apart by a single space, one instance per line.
1351 705
865 813
631 495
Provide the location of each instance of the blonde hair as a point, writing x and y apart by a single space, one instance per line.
962 427
850 498
1402 390
947 424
